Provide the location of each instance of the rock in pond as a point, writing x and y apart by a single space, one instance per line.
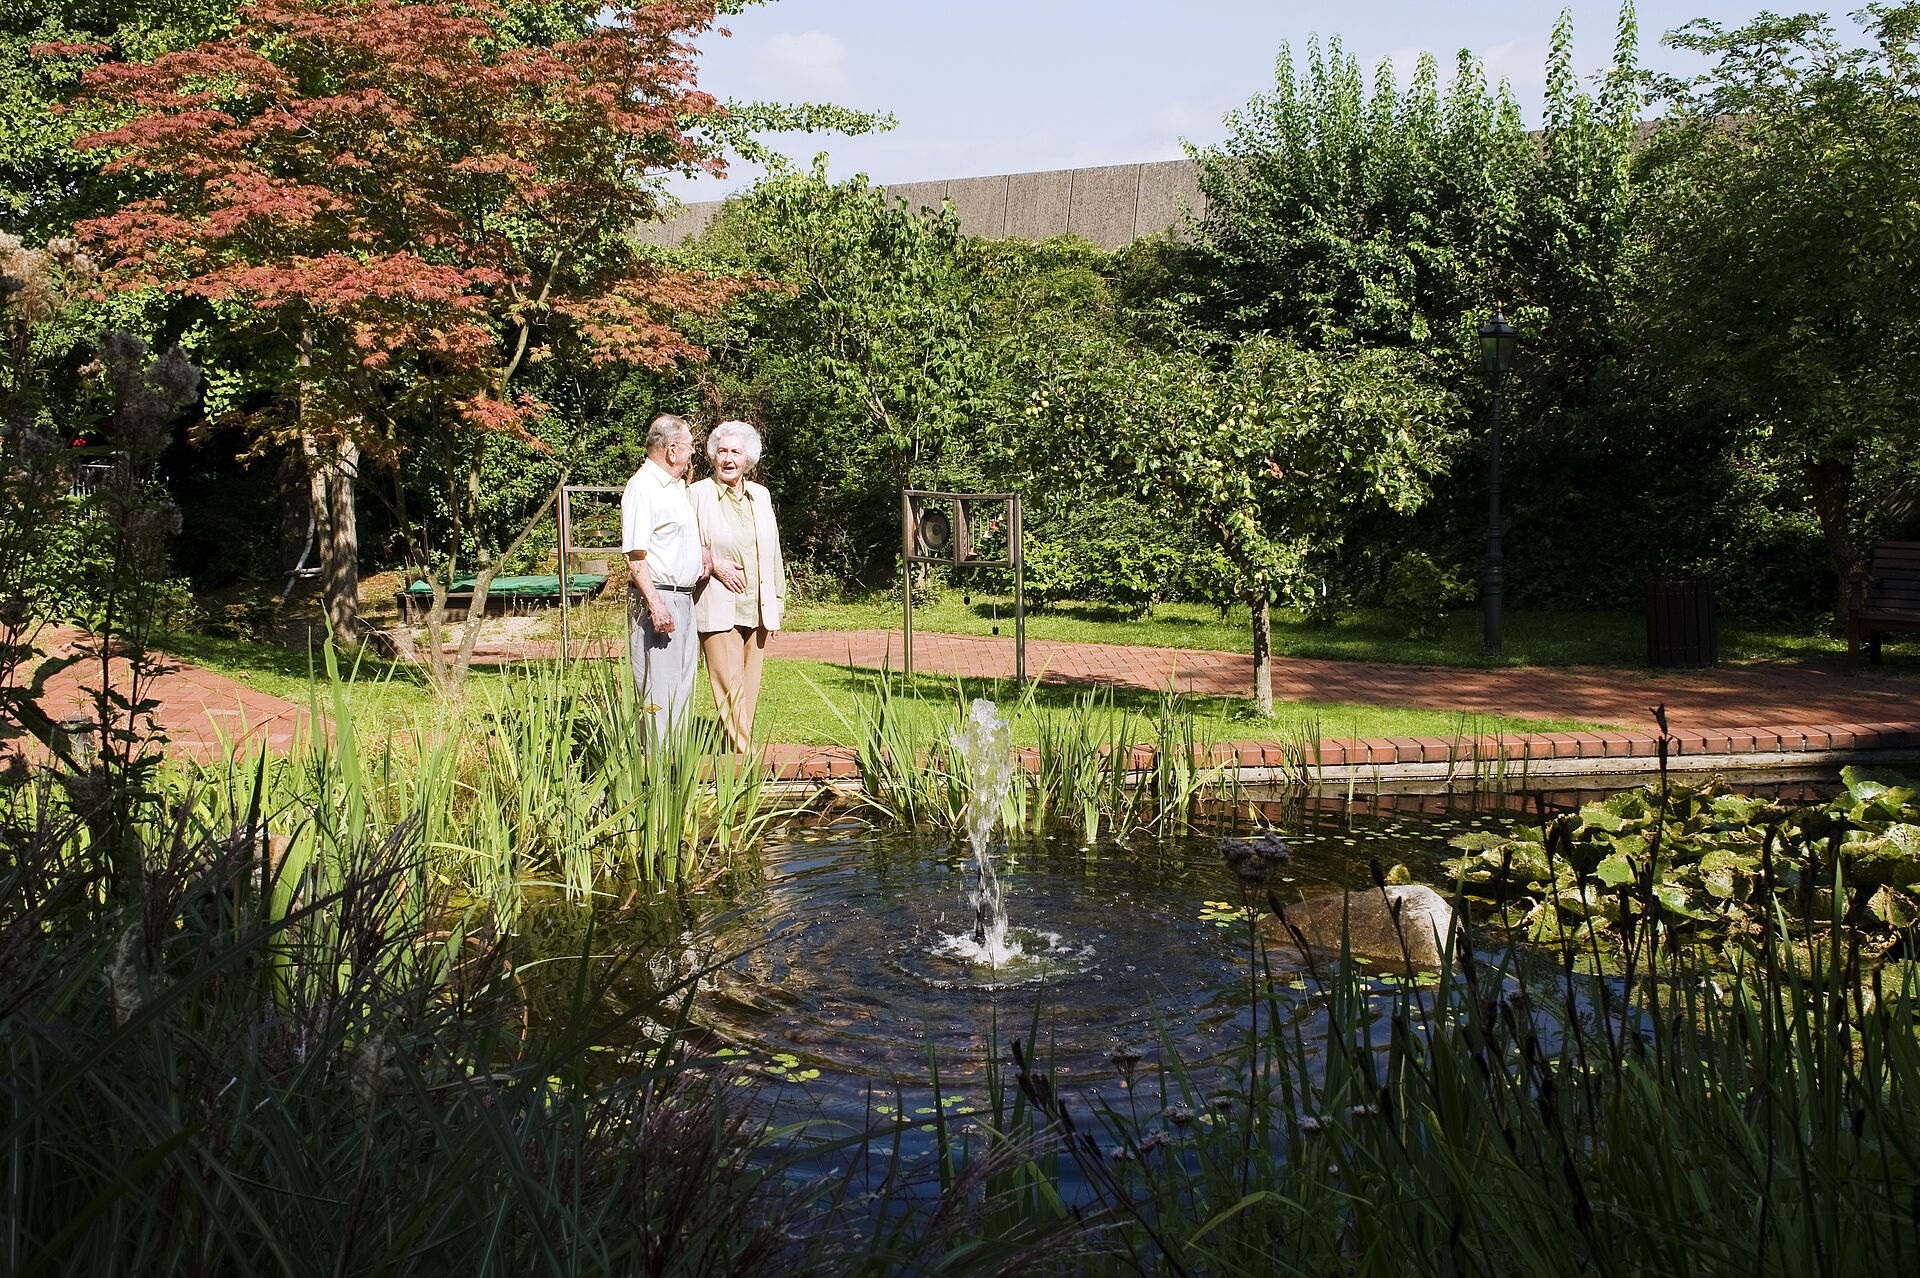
1426 919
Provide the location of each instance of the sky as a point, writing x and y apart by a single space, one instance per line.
1012 86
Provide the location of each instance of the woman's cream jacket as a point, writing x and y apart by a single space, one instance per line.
713 602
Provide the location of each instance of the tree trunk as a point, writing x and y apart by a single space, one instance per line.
1262 654
331 470
330 491
341 567
1831 485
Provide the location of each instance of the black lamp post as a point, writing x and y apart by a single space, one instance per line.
1497 340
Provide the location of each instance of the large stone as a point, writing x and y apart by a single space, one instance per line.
1425 924
1101 206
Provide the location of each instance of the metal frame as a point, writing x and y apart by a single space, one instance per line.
568 548
913 500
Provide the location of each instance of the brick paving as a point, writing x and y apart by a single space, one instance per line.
204 715
1763 710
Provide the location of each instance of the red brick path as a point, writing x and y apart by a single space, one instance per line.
202 713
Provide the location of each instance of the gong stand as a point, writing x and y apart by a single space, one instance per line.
938 528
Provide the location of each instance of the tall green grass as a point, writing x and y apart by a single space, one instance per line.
263 1066
1099 768
545 778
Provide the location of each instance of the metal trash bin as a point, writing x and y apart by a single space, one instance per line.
1683 629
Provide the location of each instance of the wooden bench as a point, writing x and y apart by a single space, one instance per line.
1884 597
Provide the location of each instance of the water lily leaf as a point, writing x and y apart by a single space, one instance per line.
1631 804
1529 863
1595 816
1631 846
1894 907
1673 898
1721 873
1870 783
1578 904
1737 807
1890 860
1468 870
1478 841
1544 924
1614 871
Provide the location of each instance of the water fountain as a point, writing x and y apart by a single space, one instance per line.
985 741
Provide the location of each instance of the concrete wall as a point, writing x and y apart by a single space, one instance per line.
1108 206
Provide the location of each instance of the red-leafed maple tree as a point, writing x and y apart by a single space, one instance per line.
405 200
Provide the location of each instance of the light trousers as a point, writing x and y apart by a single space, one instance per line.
734 662
663 665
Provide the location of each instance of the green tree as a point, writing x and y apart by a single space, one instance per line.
404 204
45 185
1344 213
1775 263
863 351
1274 450
1338 214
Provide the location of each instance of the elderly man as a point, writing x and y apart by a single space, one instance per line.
665 560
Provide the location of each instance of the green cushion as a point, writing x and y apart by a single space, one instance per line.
544 584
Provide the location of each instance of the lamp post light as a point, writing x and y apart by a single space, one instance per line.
1497 340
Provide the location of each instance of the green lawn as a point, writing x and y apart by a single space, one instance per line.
805 702
796 695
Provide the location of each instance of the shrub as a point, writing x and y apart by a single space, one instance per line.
1419 591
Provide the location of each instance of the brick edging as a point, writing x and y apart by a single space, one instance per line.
1540 753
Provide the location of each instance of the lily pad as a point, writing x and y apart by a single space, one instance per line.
1614 871
1865 784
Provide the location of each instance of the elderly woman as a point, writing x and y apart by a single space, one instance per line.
740 604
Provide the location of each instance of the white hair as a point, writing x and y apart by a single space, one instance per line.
749 440
667 429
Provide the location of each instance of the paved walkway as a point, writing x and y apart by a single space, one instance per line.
1754 710
1726 696
203 714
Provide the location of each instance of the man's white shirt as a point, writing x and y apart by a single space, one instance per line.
656 517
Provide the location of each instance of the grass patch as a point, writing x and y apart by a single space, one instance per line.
798 700
792 709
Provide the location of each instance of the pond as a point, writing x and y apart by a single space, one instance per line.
842 978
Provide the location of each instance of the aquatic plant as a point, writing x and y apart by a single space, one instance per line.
543 782
1516 1117
1098 769
1718 865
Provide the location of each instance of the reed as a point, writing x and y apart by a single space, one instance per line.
546 779
268 1068
1086 776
